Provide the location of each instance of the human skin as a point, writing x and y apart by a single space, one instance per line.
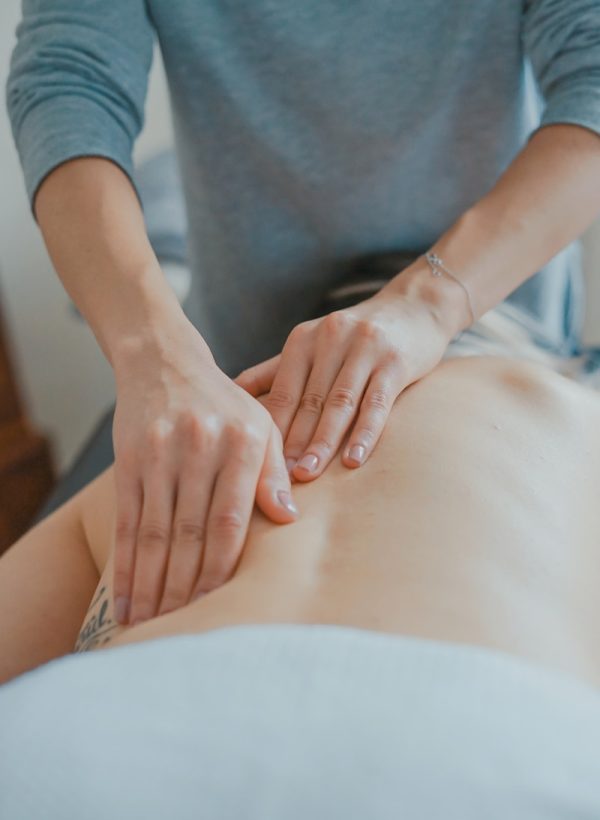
181 429
318 387
476 522
187 440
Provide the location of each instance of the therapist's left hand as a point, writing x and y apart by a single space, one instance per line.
345 370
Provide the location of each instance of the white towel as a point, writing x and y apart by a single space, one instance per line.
286 722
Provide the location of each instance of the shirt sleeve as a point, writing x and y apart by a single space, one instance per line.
562 40
77 83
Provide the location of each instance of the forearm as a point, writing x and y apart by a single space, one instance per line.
94 230
545 199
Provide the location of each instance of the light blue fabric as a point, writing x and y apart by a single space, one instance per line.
311 133
295 722
159 186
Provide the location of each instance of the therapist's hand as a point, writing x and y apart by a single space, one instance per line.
193 451
343 372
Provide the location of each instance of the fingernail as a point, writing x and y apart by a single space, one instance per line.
198 595
308 463
357 453
290 463
285 499
122 609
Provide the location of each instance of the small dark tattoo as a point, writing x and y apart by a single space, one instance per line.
98 627
99 593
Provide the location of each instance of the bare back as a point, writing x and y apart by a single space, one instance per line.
475 520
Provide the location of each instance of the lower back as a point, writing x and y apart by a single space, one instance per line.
473 521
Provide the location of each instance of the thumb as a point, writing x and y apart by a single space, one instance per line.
273 491
259 378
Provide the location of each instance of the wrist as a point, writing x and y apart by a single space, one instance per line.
142 320
442 297
162 334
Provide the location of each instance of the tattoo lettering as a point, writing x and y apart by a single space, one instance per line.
98 627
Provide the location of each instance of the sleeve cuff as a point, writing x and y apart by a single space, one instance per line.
62 128
575 107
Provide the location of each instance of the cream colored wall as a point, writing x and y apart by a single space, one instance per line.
65 380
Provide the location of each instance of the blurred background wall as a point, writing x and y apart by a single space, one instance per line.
65 381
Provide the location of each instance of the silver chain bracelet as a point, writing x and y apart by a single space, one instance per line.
437 267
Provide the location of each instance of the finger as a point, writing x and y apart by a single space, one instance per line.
329 360
230 510
152 544
128 493
382 391
341 408
194 492
289 463
274 492
286 392
259 378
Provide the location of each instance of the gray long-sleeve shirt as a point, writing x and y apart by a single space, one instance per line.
309 133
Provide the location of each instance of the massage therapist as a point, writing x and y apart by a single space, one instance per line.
308 133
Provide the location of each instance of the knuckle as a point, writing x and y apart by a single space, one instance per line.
244 436
188 531
228 522
312 402
336 322
254 438
191 428
342 398
125 529
280 399
299 332
377 400
158 431
153 534
369 331
395 359
212 427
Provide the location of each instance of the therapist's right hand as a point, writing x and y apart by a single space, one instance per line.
193 451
